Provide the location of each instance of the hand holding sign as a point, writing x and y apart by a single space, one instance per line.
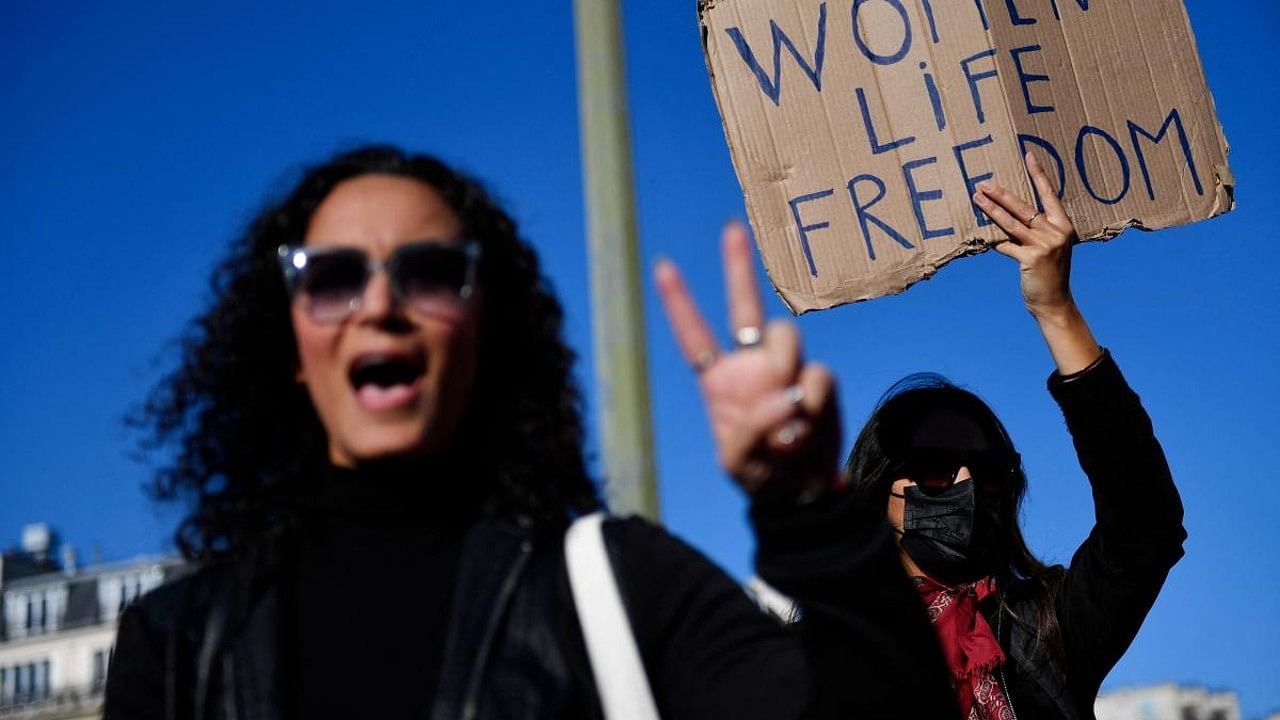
773 416
1041 242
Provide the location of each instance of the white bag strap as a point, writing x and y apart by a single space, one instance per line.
615 659
768 599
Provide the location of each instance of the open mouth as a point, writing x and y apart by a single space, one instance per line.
384 381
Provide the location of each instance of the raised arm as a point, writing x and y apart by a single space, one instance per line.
1116 573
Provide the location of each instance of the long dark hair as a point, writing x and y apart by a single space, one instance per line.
878 450
244 434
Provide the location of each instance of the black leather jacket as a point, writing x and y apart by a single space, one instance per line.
514 648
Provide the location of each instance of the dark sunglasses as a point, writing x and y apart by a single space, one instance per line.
434 278
934 470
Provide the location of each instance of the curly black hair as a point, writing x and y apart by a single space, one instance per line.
880 447
244 434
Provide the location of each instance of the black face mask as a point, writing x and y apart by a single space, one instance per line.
951 534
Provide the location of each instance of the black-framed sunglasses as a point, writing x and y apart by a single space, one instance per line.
433 278
935 469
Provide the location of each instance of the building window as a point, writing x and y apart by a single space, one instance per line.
19 683
99 674
37 617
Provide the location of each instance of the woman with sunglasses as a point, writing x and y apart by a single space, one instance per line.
378 429
1023 640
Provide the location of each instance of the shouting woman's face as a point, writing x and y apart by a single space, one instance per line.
387 352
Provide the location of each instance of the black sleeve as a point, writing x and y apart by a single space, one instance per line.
871 649
708 650
151 673
1117 572
135 681
864 648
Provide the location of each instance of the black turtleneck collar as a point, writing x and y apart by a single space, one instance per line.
372 585
427 491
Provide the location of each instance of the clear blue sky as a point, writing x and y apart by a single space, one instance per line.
137 140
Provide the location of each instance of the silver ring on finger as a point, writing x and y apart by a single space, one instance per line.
794 395
787 435
1034 218
748 337
790 432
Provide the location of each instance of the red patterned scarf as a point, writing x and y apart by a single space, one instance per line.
970 648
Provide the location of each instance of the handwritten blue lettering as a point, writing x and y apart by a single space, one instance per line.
866 219
1026 79
973 80
872 55
803 229
1173 120
773 87
918 199
1085 132
876 146
971 181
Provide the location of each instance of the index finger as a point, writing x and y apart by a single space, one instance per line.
694 337
1048 195
745 307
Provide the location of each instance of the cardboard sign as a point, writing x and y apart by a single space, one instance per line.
860 128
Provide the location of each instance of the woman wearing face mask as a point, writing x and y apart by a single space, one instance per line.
1023 640
378 429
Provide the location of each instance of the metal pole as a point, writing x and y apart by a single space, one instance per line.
616 297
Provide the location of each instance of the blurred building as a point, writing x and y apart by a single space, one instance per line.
58 624
1167 702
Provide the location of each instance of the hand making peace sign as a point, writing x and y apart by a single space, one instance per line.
773 416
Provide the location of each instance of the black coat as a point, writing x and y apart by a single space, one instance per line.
1105 593
209 645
